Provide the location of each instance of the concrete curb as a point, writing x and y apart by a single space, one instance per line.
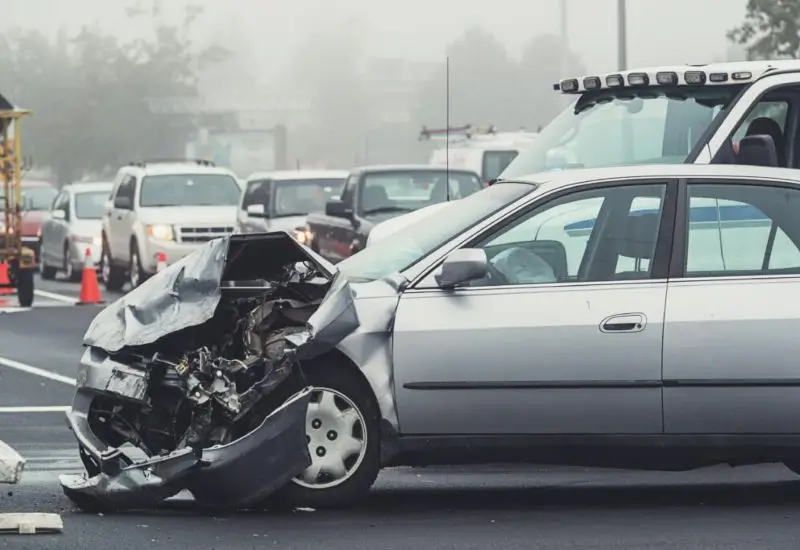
11 464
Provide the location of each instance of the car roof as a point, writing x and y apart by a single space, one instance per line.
299 175
84 186
168 168
563 178
409 168
36 183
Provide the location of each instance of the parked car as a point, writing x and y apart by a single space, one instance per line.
629 317
37 198
163 207
374 194
74 226
280 201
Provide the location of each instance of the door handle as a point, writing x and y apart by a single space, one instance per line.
624 322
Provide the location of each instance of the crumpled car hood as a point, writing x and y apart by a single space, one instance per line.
187 293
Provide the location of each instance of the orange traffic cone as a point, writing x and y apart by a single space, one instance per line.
4 280
161 262
90 290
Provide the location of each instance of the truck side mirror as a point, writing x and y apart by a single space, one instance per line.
338 209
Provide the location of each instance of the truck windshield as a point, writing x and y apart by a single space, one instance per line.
403 249
651 125
296 197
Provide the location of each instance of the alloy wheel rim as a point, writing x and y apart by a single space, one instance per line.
336 432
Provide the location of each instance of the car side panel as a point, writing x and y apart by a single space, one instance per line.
732 356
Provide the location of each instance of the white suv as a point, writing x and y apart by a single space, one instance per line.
167 207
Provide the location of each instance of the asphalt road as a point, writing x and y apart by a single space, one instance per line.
498 507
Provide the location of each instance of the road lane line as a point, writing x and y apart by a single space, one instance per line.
16 365
33 409
57 297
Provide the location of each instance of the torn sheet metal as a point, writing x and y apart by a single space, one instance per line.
187 293
229 476
11 464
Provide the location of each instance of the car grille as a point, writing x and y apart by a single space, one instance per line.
195 234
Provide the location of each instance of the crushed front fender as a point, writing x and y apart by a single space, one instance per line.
231 476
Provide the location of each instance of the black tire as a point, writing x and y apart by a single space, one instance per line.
48 272
25 278
135 266
115 277
356 487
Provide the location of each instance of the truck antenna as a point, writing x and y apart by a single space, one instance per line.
447 125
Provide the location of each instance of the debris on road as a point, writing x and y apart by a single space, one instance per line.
199 368
11 464
30 524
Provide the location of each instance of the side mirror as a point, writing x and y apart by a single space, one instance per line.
757 151
463 266
338 209
59 215
124 203
256 211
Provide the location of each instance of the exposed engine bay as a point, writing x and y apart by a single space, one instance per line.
187 367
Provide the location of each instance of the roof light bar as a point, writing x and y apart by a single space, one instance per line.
592 83
742 75
638 79
694 77
569 85
667 78
615 81
718 77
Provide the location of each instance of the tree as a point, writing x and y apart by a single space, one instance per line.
93 97
771 29
483 85
545 60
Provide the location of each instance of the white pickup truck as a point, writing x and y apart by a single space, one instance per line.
668 115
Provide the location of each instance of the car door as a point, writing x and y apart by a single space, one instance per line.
121 220
61 228
569 342
50 232
335 238
731 326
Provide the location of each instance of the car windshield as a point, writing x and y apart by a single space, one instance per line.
297 197
403 249
398 191
36 198
623 127
189 190
89 205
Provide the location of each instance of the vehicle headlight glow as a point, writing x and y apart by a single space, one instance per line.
160 232
302 235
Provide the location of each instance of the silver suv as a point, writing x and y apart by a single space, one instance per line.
163 207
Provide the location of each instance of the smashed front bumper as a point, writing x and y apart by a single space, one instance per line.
236 475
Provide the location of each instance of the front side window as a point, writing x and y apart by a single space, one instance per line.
406 191
89 205
297 197
189 190
256 192
742 230
494 162
402 249
586 236
653 125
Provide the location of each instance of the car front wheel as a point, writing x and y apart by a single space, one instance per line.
342 430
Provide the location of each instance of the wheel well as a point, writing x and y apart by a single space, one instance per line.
337 359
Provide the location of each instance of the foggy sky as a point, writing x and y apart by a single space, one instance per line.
659 32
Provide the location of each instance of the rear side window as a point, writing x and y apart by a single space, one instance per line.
256 192
742 230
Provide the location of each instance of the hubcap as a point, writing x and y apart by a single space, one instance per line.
105 268
68 263
134 276
337 439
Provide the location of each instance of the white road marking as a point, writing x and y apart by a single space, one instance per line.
16 365
57 297
33 409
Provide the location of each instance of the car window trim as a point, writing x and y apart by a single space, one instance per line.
509 214
677 268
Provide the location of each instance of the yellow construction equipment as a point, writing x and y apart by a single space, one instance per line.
17 262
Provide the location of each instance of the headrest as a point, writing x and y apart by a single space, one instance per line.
764 126
758 150
640 236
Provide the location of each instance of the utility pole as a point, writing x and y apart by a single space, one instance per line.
564 39
622 36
